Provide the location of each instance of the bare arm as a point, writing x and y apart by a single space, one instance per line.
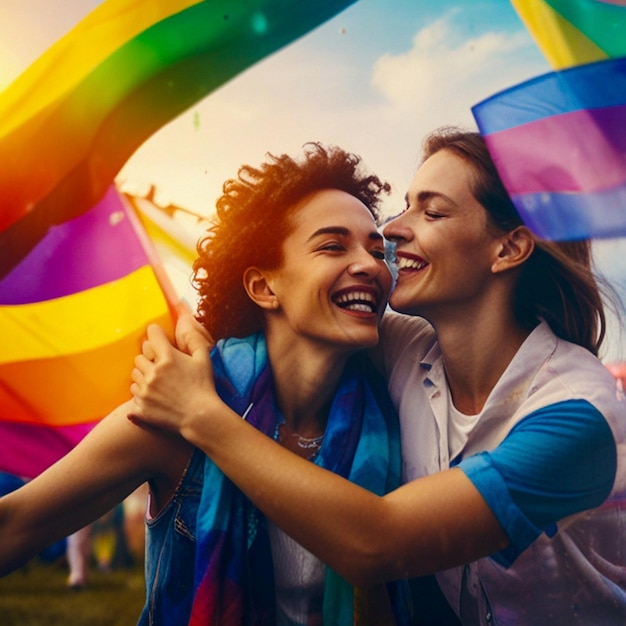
110 463
425 526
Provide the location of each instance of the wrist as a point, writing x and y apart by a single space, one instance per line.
204 427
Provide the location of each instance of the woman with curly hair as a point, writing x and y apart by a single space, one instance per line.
292 282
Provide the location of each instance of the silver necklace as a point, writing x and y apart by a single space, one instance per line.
306 443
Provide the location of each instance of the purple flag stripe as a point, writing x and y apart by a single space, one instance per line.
591 86
568 216
548 154
96 248
28 449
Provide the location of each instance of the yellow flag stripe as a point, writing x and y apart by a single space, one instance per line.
561 43
71 59
82 321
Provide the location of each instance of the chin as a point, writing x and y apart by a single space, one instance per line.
406 308
365 341
399 306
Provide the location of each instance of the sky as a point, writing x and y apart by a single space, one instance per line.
373 80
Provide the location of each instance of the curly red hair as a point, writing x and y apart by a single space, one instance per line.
253 220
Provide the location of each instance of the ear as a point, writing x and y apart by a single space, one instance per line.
256 282
514 248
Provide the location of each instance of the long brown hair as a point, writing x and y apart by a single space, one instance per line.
556 283
253 220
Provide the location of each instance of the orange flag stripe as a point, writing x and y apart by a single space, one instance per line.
37 391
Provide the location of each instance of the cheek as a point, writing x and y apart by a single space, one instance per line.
468 245
387 282
478 252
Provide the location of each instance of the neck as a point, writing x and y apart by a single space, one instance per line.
305 380
476 351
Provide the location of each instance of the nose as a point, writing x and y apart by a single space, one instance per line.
397 229
365 264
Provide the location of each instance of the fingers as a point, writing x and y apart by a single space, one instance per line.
142 366
191 336
136 413
147 351
141 375
157 338
157 343
134 390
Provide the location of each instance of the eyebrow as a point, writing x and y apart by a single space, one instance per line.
423 196
343 231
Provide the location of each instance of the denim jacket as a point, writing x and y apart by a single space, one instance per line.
171 551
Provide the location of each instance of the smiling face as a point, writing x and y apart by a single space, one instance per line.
445 249
333 283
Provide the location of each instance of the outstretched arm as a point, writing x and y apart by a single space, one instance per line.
110 463
425 526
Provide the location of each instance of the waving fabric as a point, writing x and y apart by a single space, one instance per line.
557 140
574 32
559 144
233 569
79 275
72 120
73 313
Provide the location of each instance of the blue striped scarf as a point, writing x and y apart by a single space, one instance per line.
234 579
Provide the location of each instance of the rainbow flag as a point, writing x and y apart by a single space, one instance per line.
72 120
80 274
575 32
559 144
73 314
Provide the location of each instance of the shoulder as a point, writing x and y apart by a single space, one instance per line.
401 337
576 425
396 325
562 442
565 371
237 363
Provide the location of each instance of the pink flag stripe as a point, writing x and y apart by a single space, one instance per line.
564 163
28 449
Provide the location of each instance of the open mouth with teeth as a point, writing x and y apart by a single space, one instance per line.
357 301
405 263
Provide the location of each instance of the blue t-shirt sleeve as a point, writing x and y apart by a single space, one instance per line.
557 461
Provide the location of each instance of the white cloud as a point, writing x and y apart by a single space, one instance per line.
444 72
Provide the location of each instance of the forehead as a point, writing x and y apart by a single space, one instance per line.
332 207
443 173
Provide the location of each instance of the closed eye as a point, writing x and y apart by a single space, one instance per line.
433 215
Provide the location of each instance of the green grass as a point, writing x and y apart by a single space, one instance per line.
37 595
